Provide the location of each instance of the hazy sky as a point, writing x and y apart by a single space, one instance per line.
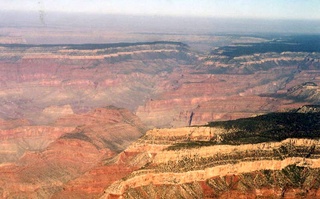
270 9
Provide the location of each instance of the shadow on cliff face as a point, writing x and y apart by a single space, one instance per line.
271 127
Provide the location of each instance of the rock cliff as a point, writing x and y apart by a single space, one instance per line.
44 82
224 88
57 143
253 157
36 161
164 83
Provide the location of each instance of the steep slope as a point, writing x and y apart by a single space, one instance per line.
223 88
307 91
164 83
236 81
64 151
14 142
273 155
79 78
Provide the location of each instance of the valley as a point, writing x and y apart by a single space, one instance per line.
161 118
162 82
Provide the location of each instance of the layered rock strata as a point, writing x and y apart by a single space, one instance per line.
190 163
36 161
164 83
79 78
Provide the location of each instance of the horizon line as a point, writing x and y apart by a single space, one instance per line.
160 15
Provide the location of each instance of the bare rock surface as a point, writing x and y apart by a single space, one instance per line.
36 161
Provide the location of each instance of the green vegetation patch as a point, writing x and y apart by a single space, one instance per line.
191 144
297 43
270 127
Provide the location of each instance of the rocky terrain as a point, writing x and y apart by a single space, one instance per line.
232 121
166 84
223 89
36 161
273 155
42 83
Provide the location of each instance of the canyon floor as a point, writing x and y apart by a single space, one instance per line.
184 116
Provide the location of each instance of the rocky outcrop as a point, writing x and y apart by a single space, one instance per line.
309 109
217 97
16 141
57 142
162 82
38 160
190 163
229 88
84 77
307 91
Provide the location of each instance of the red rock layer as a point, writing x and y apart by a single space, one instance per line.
163 83
32 79
185 173
87 140
216 97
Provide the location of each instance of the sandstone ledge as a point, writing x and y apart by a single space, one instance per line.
119 187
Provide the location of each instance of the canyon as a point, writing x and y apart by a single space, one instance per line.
160 119
163 83
43 158
197 162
